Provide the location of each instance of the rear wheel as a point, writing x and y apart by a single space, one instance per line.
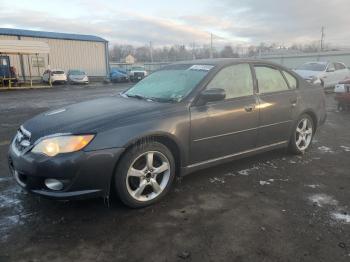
145 174
302 135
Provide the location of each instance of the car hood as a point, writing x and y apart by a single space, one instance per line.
92 116
307 74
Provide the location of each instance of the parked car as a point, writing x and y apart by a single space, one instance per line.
137 73
182 118
327 74
118 75
342 94
55 76
77 77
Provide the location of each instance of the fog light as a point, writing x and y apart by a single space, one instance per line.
53 184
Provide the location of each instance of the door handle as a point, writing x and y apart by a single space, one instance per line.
249 108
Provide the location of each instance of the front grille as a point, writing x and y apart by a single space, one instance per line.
139 74
22 139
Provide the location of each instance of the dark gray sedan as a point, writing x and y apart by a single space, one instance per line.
185 117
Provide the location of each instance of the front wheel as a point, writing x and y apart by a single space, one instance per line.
144 174
302 135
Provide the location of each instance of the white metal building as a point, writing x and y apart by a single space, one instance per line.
67 51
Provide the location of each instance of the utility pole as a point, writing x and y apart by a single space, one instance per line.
211 45
151 51
322 38
193 51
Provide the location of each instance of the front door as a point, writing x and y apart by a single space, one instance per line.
278 100
226 127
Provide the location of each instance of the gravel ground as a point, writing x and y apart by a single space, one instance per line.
271 207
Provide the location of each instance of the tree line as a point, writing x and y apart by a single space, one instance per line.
117 53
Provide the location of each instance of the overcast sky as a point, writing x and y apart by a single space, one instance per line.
186 21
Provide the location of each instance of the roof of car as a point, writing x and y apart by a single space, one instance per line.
224 61
53 35
318 62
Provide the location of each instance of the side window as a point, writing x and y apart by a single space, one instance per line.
339 66
331 67
270 80
292 81
236 80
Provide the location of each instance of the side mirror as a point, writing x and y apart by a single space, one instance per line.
330 70
212 95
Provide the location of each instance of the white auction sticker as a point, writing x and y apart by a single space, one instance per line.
201 67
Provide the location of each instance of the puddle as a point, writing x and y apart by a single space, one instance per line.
12 210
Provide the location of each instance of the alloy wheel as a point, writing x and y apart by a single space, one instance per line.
303 134
148 175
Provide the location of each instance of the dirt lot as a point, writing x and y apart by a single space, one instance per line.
271 207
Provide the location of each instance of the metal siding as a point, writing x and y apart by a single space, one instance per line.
71 54
52 35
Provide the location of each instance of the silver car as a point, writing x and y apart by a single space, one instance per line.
77 77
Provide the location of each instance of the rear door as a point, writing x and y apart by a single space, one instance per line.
277 102
331 75
342 71
226 127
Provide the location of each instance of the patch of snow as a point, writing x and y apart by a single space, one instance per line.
217 180
263 183
271 164
325 149
246 172
323 200
292 162
313 186
341 217
346 148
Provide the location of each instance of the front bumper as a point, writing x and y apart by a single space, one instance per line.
83 174
78 81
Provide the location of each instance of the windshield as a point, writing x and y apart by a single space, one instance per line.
77 72
313 67
170 84
138 68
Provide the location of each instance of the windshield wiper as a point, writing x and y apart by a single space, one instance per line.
162 100
137 96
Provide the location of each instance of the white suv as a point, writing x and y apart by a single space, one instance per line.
55 76
328 74
137 73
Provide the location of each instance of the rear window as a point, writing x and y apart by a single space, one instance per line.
58 72
270 80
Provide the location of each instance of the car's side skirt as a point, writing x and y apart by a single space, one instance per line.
220 160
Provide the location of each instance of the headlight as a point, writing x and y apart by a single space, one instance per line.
62 144
315 80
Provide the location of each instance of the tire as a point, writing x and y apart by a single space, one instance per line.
301 138
140 181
